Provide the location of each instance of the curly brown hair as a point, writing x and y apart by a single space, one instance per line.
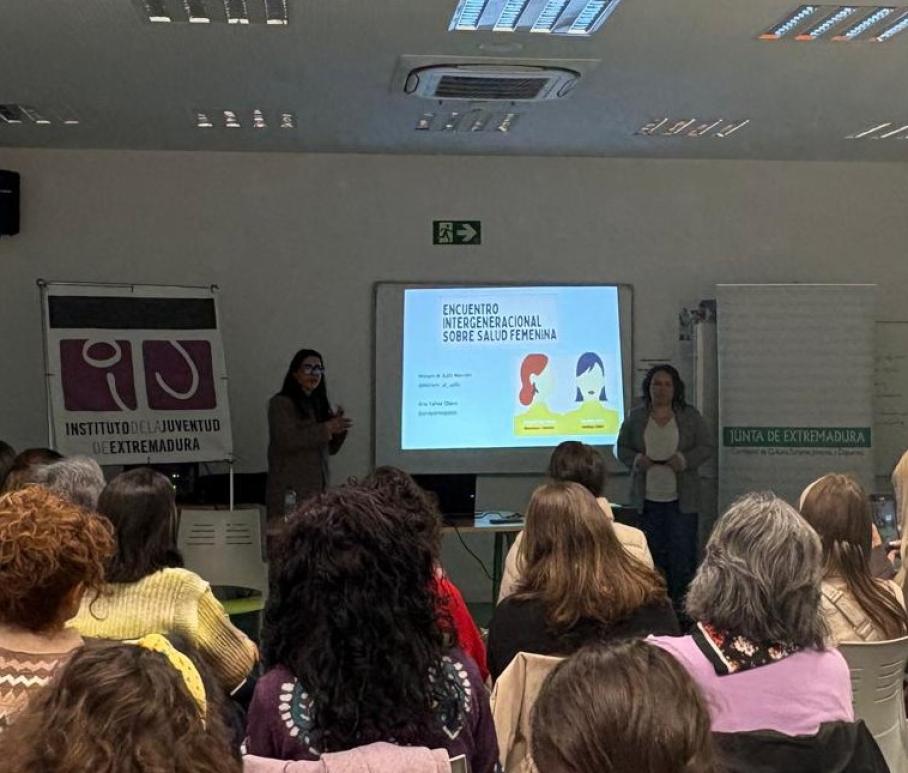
419 505
47 547
117 708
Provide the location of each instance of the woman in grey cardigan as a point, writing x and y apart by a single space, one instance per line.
303 431
663 442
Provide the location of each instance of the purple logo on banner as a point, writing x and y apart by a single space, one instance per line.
179 375
97 375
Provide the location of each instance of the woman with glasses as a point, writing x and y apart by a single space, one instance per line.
303 431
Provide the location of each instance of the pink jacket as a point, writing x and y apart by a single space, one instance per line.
374 758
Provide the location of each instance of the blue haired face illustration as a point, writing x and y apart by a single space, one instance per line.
590 378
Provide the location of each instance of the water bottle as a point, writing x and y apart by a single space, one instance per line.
289 503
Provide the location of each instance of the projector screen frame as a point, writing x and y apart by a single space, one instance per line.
387 370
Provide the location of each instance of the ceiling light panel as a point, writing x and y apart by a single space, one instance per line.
891 130
476 121
29 115
840 23
554 17
718 128
221 118
239 12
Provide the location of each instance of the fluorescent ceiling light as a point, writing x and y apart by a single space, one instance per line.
467 15
862 26
202 121
890 32
546 20
34 116
682 127
276 12
11 113
510 15
424 124
790 23
236 11
156 11
288 120
588 17
231 121
258 119
507 123
554 17
828 24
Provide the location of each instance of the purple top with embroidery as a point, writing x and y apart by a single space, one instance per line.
280 718
793 696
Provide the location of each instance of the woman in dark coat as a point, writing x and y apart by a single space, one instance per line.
303 431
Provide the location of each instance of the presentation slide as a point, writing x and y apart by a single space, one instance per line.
510 367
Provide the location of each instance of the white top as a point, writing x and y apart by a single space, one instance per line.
661 443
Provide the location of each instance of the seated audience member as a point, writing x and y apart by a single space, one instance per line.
626 708
856 606
147 591
578 584
77 479
50 554
122 708
583 464
7 457
424 517
379 757
353 645
757 651
26 467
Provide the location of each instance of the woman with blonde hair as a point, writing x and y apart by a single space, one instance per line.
856 606
578 584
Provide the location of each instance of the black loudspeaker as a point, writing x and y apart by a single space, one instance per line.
9 203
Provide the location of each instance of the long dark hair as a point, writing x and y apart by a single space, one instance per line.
678 401
316 404
7 457
140 504
838 508
627 707
352 614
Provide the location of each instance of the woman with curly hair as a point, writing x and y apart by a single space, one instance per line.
51 553
627 708
353 645
147 589
417 504
122 708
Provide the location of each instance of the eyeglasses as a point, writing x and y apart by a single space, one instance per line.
314 370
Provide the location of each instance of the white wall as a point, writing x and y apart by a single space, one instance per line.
296 242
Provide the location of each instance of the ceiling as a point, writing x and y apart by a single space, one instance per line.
338 66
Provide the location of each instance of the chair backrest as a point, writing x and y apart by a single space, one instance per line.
512 703
224 547
460 764
877 674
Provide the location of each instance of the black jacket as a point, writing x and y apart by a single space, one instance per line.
839 747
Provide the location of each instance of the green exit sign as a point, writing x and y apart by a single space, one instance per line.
456 232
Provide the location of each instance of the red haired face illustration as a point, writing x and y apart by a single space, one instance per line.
533 365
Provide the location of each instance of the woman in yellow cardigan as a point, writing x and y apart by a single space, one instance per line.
147 589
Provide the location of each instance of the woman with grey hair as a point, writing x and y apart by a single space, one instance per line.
757 649
77 479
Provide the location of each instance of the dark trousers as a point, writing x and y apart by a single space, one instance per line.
672 537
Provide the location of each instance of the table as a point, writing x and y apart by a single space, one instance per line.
505 534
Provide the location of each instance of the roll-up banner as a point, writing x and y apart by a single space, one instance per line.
796 369
136 373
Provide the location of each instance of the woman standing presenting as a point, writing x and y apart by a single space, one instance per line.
664 441
303 431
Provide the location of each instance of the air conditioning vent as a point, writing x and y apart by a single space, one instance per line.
483 83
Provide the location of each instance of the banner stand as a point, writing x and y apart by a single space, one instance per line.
135 374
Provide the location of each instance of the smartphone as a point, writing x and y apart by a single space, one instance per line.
883 509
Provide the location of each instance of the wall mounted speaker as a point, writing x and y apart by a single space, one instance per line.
9 203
